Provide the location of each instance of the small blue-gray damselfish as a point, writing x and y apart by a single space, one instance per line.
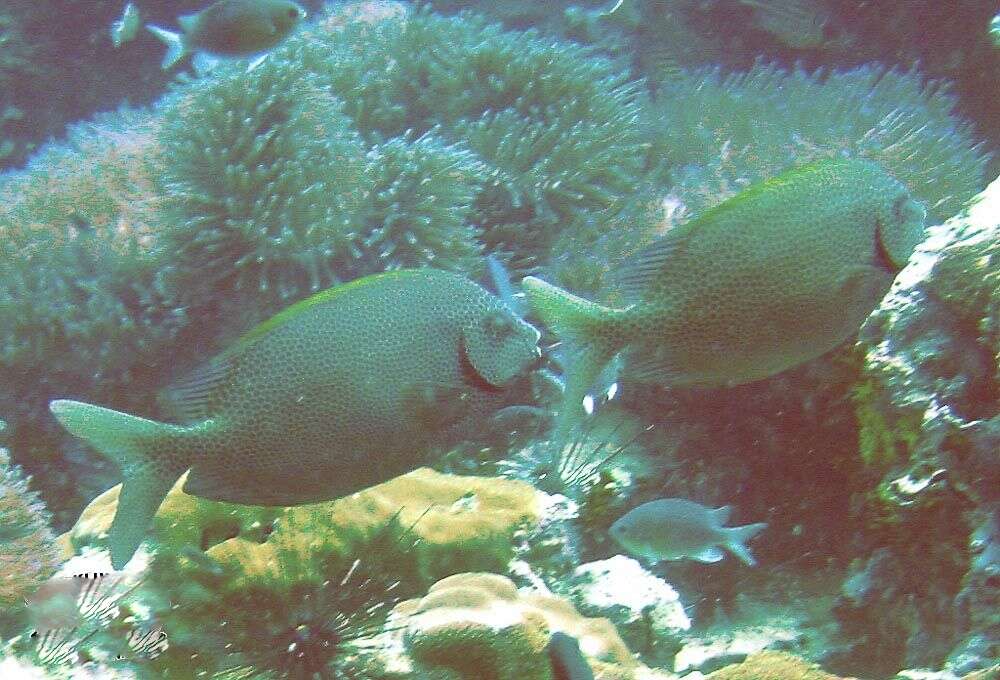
678 529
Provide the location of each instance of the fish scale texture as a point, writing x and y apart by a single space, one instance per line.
776 276
344 392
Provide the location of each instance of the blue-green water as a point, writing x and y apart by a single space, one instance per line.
387 315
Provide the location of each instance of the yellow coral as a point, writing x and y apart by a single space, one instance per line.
480 627
773 666
882 443
460 523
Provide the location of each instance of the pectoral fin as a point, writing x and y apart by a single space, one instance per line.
709 555
436 405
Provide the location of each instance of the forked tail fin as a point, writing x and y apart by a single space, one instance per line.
736 538
587 330
176 47
149 454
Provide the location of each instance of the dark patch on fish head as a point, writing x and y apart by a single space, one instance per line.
285 15
899 229
497 347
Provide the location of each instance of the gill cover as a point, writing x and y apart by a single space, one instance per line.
901 228
500 346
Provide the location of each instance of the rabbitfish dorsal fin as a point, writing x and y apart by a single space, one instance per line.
302 306
192 399
636 275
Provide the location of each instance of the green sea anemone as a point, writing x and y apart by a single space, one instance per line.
720 133
420 206
555 124
266 179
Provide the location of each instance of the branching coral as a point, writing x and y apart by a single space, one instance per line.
28 555
83 309
76 227
721 133
16 64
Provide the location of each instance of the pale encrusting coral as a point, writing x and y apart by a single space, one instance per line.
478 625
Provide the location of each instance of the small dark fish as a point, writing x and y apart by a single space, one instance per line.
231 28
568 662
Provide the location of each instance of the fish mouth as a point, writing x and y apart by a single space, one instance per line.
471 376
881 257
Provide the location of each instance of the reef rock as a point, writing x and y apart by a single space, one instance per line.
773 666
646 610
927 588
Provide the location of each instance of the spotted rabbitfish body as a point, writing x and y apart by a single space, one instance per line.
339 392
775 276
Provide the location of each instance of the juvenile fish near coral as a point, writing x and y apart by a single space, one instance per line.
231 28
777 275
346 389
677 529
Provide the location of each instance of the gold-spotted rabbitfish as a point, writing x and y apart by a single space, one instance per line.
678 529
231 28
341 391
777 275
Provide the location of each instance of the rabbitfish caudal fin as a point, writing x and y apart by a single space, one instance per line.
590 334
736 538
147 453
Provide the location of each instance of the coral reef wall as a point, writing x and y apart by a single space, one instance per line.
930 557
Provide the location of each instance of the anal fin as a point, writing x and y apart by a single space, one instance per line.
144 489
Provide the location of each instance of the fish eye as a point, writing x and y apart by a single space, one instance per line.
498 325
905 209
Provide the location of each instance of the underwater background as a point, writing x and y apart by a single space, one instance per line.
150 217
